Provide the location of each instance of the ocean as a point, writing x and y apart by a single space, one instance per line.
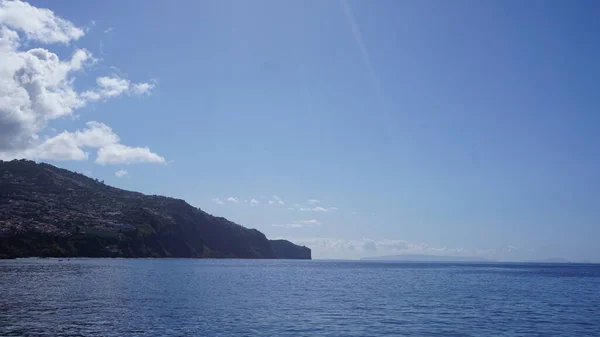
196 297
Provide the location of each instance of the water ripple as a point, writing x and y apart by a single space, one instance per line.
146 297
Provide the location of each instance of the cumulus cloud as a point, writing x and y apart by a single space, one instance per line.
218 201
233 199
37 23
36 87
121 173
254 201
299 224
72 145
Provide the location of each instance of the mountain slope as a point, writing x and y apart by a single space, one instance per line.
48 211
290 250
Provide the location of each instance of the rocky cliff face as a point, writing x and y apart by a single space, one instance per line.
48 211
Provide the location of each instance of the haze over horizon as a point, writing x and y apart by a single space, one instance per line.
356 128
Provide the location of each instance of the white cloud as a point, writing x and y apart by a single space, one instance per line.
114 86
108 30
218 201
123 154
309 222
312 207
60 147
121 173
37 87
299 224
317 209
276 200
34 89
233 199
37 23
142 88
289 225
71 145
254 201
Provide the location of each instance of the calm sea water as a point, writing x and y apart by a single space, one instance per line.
187 297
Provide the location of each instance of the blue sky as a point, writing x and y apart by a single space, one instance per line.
455 128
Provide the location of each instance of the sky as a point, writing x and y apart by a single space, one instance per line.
357 128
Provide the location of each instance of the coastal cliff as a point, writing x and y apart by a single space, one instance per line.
286 250
49 211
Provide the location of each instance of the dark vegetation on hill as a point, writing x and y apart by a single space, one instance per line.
290 250
48 211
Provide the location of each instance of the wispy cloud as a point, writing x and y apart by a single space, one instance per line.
121 173
317 209
276 201
218 201
362 47
299 224
254 201
288 225
313 205
108 30
279 201
234 200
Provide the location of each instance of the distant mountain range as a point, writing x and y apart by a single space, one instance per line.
48 211
427 258
444 258
551 260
